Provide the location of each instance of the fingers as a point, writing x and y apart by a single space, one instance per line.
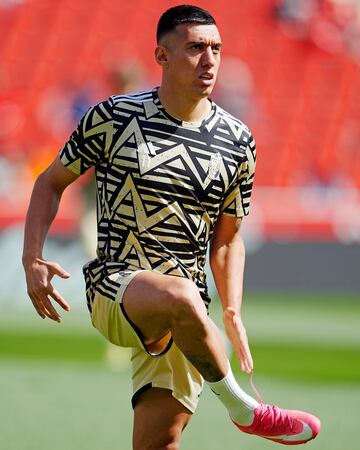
51 311
237 334
59 299
44 307
38 277
246 362
245 357
55 269
37 308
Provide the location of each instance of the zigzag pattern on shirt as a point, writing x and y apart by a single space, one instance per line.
161 184
167 216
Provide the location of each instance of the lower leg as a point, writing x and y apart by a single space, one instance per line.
282 426
159 420
174 304
202 343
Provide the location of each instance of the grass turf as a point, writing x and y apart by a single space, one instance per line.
294 361
57 390
84 407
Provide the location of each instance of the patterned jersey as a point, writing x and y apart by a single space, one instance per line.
161 185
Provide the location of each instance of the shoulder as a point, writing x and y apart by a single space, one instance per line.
98 114
239 133
106 108
134 100
239 130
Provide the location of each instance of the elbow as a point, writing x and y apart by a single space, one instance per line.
44 183
43 178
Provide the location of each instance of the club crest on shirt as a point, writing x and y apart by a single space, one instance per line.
214 166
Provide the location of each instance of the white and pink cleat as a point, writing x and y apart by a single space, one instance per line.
283 426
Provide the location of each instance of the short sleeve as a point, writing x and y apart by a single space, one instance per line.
237 200
88 145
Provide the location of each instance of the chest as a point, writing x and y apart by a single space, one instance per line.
174 160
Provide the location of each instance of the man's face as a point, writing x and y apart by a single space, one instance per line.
192 58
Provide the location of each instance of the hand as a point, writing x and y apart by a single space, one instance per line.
236 333
39 274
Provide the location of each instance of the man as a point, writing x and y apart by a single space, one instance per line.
173 172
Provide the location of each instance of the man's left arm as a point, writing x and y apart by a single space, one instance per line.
227 261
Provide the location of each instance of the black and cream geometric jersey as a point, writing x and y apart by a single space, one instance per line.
161 185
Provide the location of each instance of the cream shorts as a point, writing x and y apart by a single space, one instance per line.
169 369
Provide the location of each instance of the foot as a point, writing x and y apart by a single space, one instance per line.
283 426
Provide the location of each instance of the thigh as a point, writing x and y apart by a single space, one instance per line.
108 318
151 299
159 420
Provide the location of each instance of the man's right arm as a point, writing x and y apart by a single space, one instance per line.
42 210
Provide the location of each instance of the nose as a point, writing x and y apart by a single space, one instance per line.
208 58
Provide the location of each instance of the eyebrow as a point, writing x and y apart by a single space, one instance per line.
206 43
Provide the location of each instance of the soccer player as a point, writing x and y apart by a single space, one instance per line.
174 172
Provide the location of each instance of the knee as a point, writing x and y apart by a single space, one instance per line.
185 301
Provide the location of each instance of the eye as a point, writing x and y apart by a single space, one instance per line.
198 46
216 48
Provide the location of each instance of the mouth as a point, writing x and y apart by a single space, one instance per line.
206 76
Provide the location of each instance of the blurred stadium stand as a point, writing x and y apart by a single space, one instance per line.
293 66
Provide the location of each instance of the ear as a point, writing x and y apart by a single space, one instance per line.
161 56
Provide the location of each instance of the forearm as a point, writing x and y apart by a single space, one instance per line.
42 210
227 265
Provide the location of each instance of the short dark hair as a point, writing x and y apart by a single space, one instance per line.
182 14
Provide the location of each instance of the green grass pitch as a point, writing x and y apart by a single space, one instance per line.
58 390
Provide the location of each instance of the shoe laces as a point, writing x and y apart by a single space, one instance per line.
274 418
253 387
271 416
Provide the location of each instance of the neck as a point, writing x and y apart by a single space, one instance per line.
182 107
